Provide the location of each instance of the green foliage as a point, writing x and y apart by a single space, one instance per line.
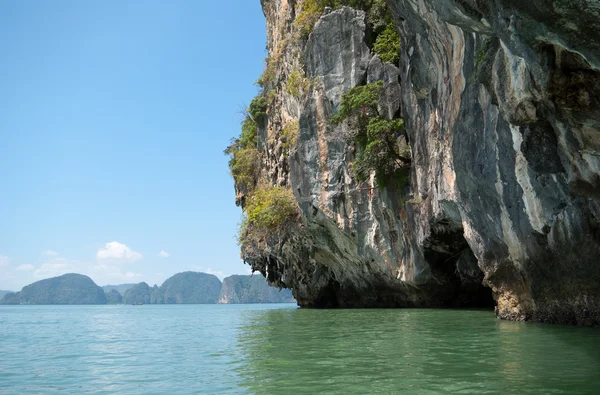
244 156
289 135
258 110
360 100
245 168
376 138
297 84
270 210
479 58
377 149
267 78
308 13
387 44
378 16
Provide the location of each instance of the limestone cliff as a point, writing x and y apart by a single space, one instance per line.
501 104
251 289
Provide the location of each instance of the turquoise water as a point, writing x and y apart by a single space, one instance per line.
267 349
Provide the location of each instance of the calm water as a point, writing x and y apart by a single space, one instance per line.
268 349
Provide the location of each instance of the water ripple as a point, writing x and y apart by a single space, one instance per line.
266 349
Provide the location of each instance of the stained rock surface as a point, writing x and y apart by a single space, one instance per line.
501 101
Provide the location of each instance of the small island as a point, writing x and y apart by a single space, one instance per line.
181 288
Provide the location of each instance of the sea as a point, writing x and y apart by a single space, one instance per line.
281 349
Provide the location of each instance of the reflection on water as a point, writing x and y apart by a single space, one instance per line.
414 351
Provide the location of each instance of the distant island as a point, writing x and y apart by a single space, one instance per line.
66 289
121 288
182 288
2 293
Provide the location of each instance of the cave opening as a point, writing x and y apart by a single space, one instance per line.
456 273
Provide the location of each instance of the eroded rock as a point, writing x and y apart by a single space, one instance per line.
501 102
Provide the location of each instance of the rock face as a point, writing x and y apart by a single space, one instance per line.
501 101
65 289
252 289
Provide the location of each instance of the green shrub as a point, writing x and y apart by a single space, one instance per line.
387 44
308 12
244 162
270 211
271 208
258 110
245 168
378 151
378 16
267 78
297 84
375 137
360 101
289 135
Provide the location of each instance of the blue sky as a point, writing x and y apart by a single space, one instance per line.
113 119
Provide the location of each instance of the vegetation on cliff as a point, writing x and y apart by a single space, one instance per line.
376 139
270 210
387 44
378 17
309 12
244 163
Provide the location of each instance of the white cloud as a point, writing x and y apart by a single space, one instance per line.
4 260
55 267
117 251
163 254
113 272
50 253
25 268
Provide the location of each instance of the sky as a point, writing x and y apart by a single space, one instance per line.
113 119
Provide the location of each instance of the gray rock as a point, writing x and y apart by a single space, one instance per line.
501 100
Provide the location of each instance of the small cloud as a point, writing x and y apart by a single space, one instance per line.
50 253
55 267
4 260
164 254
117 251
25 268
